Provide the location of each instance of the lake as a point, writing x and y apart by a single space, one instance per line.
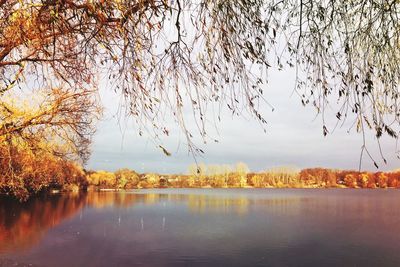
204 227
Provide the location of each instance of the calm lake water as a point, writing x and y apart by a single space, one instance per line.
204 227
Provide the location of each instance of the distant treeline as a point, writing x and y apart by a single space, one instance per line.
45 173
239 176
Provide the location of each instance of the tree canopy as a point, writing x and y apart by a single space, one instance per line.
166 56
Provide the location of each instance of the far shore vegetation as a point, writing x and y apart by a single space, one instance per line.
56 175
239 176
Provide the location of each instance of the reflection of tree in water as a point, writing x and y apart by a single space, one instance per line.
106 199
23 224
204 203
241 204
218 204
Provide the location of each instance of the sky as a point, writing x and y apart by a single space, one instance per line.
293 138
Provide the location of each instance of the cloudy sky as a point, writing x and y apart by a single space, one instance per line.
293 138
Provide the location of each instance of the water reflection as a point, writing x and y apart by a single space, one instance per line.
204 227
23 224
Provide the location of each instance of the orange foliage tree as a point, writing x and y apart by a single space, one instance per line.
41 136
213 48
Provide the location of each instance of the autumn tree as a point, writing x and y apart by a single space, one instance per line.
239 177
102 179
331 178
199 172
371 180
350 180
311 175
282 176
224 176
381 179
126 179
164 56
393 179
58 121
257 180
42 134
363 180
151 180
